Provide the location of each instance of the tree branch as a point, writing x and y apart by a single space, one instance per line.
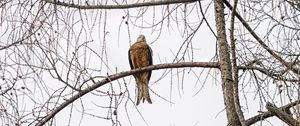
268 114
235 71
124 6
116 76
261 42
288 119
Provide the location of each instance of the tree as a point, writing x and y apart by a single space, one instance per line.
56 55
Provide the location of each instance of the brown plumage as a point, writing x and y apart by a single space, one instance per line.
140 55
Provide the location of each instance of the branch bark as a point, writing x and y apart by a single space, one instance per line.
288 119
116 76
124 6
268 114
225 66
113 77
235 72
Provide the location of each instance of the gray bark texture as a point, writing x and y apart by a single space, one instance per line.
285 117
225 65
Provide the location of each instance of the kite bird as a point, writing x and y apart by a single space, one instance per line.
140 55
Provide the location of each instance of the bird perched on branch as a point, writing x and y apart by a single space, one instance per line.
140 55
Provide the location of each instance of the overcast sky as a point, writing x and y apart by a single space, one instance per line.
197 101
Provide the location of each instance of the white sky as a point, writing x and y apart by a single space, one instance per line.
206 107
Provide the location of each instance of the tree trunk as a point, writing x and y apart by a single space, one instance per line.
225 65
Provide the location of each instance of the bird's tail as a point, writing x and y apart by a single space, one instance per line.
143 92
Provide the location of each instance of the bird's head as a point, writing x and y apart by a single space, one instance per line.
141 38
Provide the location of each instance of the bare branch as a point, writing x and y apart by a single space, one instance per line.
268 114
125 6
121 75
261 42
235 72
281 114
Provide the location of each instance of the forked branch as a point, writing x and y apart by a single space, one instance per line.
288 119
268 114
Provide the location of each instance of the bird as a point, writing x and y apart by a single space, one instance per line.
140 55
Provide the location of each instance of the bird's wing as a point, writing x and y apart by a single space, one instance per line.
129 58
150 61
